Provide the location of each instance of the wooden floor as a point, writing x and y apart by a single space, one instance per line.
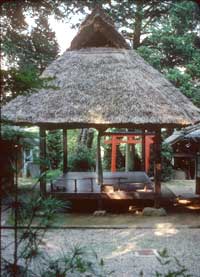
86 182
120 191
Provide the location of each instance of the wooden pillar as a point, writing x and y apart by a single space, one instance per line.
99 170
130 154
197 190
65 165
127 157
42 160
143 151
114 154
157 164
147 153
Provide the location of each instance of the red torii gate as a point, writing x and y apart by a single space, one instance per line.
145 139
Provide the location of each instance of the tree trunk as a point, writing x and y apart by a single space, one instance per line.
138 24
90 137
85 137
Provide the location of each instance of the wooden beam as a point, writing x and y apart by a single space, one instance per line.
127 133
143 150
157 163
65 165
42 160
121 141
99 170
197 190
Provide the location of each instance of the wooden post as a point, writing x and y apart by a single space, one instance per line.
157 166
148 142
75 185
143 150
198 172
92 186
127 157
42 160
65 150
99 170
114 154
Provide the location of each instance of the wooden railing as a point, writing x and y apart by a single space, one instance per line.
63 186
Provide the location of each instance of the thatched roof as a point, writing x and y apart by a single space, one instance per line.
103 86
98 34
189 133
98 30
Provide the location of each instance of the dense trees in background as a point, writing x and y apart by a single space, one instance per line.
25 50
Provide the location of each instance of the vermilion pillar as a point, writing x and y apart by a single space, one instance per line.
157 164
114 155
148 142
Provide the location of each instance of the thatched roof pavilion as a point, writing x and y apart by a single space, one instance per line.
102 83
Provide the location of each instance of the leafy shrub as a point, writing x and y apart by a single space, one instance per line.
77 262
82 160
167 168
54 146
176 268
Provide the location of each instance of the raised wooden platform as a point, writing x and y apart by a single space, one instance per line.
86 182
119 191
122 190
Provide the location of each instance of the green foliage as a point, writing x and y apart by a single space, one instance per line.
167 169
55 148
184 82
26 51
27 244
165 260
82 160
33 210
24 136
72 136
79 261
177 269
152 56
53 174
107 157
172 46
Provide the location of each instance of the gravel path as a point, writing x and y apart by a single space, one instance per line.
119 247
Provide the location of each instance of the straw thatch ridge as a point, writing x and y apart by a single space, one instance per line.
103 86
97 11
98 32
